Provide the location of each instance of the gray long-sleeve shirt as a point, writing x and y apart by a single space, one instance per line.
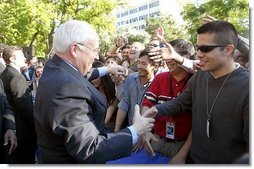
229 125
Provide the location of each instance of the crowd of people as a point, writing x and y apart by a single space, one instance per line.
184 103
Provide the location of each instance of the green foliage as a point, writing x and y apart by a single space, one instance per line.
234 11
171 28
142 37
132 35
33 22
23 21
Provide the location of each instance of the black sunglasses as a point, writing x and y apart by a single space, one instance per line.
208 48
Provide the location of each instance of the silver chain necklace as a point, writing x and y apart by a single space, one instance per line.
209 113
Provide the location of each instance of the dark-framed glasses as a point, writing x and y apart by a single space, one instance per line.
96 51
208 48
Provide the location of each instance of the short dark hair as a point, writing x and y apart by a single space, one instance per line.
183 47
97 64
116 59
126 46
8 53
225 32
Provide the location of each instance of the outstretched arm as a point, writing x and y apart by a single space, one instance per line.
121 115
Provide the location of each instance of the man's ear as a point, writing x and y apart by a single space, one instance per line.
12 59
229 49
73 49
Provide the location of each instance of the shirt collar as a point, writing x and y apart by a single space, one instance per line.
15 67
70 64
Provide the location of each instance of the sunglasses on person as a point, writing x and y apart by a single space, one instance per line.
208 48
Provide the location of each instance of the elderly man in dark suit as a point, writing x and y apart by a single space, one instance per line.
20 99
70 112
8 139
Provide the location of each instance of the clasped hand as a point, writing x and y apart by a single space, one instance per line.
144 123
117 70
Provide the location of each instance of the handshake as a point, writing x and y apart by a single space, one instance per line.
144 123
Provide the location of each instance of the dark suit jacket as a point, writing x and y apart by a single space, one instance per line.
69 119
7 117
20 99
6 114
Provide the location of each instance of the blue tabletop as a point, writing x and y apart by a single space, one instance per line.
141 157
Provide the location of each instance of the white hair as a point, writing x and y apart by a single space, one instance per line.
72 31
139 45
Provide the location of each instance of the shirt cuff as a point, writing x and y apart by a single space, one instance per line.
187 63
122 105
133 134
102 71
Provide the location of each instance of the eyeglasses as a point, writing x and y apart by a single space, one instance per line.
96 51
208 48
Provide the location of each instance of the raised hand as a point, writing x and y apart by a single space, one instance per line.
207 19
165 53
120 41
159 32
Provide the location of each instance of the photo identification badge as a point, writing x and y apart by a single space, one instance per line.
170 130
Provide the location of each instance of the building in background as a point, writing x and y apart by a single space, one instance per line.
134 15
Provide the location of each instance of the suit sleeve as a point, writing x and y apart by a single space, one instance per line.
22 98
8 114
73 120
94 74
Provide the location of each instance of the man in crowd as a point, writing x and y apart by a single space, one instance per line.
170 132
69 111
19 97
8 139
135 86
218 95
